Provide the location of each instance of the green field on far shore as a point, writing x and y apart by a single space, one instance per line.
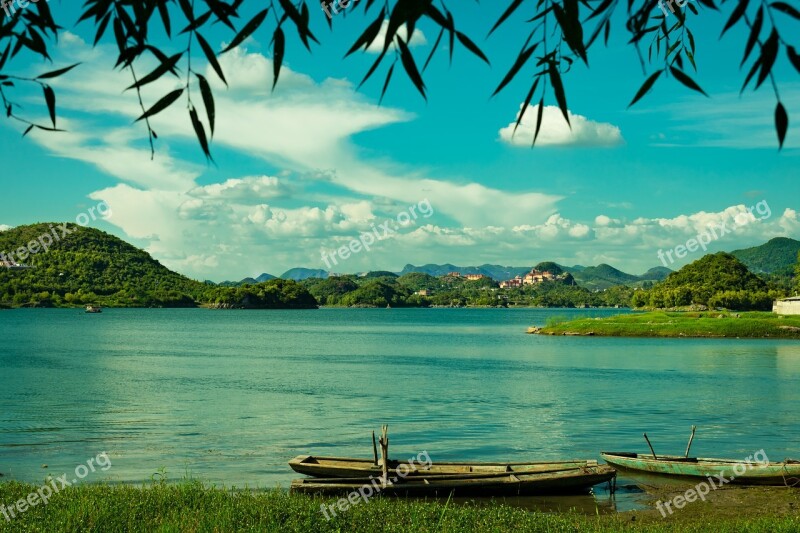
681 324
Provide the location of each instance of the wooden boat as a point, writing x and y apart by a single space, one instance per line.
565 481
780 474
345 467
93 309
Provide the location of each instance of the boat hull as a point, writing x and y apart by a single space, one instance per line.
572 481
737 472
344 467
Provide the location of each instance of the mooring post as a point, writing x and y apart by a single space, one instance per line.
651 446
384 441
690 441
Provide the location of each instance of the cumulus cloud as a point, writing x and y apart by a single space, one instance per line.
251 189
556 132
3 227
417 38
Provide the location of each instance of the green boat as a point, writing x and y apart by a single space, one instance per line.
720 471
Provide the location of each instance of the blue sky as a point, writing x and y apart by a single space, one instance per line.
316 163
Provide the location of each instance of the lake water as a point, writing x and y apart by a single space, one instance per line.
229 396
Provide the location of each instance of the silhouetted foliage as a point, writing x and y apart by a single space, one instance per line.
560 32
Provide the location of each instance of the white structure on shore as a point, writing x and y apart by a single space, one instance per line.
787 306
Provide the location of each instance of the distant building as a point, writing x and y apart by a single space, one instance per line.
511 283
534 276
424 292
475 277
787 306
12 265
453 275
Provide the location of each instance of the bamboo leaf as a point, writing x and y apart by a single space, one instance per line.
472 47
200 132
50 100
208 101
279 48
781 123
411 68
558 89
539 115
646 86
248 30
783 7
507 13
525 105
755 31
686 80
162 104
522 58
737 14
211 57
159 71
56 73
386 83
769 53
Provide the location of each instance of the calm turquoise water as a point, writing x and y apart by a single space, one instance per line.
229 396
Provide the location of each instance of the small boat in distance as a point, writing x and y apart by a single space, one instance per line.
93 309
346 467
565 481
786 473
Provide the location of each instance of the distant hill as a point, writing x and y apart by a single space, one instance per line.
89 266
265 277
776 256
603 276
595 278
299 274
496 272
656 273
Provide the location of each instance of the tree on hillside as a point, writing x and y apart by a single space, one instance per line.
558 34
797 274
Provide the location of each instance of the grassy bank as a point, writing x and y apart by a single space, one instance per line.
194 507
682 324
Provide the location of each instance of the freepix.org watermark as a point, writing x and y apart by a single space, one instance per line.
56 233
702 489
716 231
8 5
378 233
365 492
329 6
669 3
54 486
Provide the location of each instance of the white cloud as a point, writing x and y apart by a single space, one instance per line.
4 227
555 131
252 189
417 38
325 191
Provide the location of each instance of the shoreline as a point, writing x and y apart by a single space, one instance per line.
191 505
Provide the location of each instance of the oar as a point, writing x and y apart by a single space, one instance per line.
374 450
651 446
686 455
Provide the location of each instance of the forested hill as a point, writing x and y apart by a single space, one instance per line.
716 280
87 265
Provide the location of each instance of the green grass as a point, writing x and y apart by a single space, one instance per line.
683 324
191 506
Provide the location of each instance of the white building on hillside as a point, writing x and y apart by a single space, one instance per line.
787 306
